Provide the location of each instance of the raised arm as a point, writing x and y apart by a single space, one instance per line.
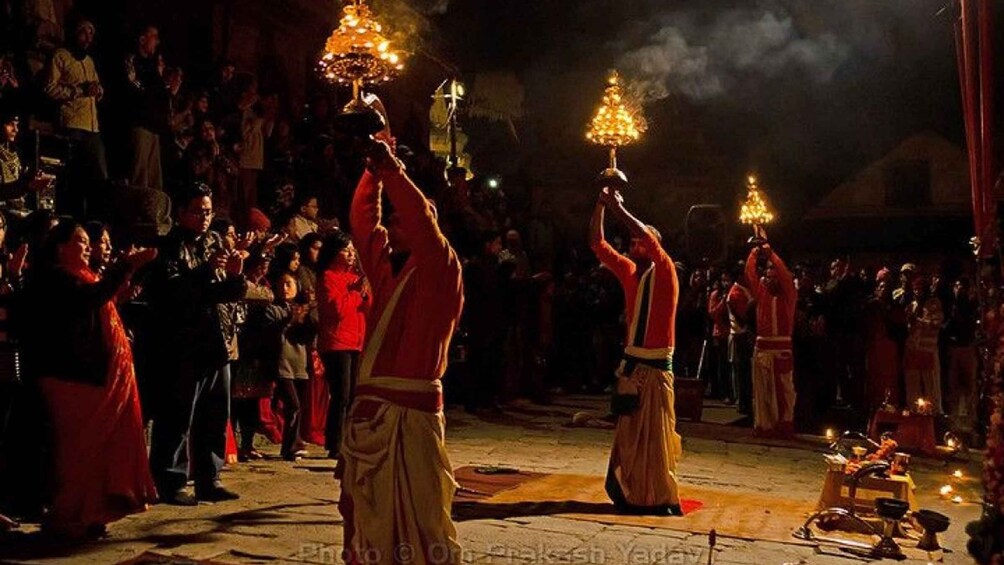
415 214
752 276
784 275
368 235
615 202
605 253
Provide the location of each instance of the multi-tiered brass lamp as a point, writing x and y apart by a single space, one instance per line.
754 211
359 53
617 123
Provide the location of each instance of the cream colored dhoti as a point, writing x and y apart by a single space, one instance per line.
773 385
646 446
399 481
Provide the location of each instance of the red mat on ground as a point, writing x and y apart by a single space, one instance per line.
475 485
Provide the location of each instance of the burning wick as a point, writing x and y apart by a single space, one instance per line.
946 490
957 474
830 434
957 500
951 443
921 403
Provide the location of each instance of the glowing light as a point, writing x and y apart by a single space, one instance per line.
830 434
755 210
493 183
957 500
617 122
957 474
357 50
946 490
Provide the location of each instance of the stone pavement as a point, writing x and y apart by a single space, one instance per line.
287 511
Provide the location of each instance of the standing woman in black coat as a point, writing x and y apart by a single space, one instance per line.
77 349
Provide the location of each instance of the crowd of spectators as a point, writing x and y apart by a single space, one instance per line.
214 217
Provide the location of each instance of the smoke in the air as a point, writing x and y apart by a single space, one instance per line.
708 59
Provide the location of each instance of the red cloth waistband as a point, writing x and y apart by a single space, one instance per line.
425 401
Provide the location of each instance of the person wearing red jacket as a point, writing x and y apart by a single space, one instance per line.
718 314
773 364
343 300
397 480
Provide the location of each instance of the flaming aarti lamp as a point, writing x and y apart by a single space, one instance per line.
358 53
617 123
754 211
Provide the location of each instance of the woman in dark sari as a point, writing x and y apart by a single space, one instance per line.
77 349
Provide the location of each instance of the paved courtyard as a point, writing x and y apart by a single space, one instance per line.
287 511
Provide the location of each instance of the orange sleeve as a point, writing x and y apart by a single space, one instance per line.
368 235
752 277
784 276
418 221
621 266
663 262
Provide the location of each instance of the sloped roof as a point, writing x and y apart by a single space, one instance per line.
865 194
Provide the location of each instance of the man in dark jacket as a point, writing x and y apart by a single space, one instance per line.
193 288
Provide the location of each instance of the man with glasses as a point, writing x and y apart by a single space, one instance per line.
192 287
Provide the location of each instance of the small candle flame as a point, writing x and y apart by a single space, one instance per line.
951 443
946 490
957 500
957 474
830 434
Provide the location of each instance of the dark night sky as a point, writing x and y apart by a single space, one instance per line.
808 92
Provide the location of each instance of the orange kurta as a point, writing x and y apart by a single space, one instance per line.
397 483
641 475
773 364
418 336
660 332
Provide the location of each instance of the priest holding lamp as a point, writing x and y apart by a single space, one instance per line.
773 288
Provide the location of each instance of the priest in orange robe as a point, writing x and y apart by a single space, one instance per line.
397 480
641 478
773 364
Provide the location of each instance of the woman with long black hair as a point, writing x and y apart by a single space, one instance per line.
343 299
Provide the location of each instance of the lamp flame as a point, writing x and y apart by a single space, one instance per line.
617 122
755 211
358 51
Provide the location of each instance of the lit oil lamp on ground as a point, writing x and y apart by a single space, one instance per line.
359 53
923 407
617 123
